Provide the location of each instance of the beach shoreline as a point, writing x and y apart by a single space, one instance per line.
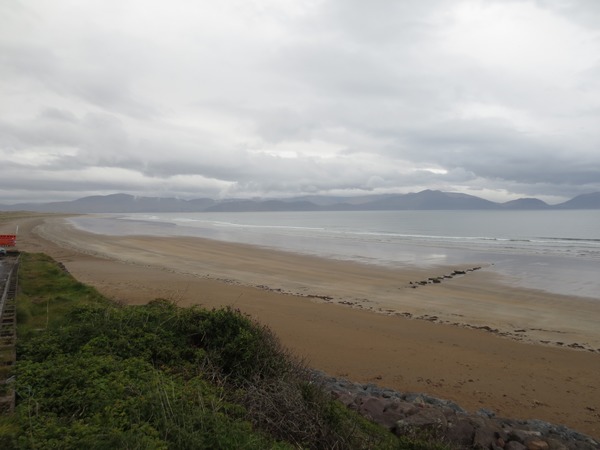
463 295
550 260
350 319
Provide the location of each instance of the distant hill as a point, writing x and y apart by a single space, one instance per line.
262 205
330 200
116 203
429 200
526 203
424 200
584 201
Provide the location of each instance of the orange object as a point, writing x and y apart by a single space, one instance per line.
8 240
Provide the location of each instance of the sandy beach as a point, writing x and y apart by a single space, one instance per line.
481 343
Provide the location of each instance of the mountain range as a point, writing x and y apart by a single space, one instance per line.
424 200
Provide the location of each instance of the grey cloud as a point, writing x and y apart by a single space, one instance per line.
282 124
374 22
94 136
31 61
492 151
58 115
585 12
334 70
104 81
363 94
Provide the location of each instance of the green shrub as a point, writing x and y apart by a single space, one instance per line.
114 372
241 348
107 402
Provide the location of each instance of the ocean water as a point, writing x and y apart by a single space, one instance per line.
555 251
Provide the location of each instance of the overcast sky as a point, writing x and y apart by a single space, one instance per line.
239 98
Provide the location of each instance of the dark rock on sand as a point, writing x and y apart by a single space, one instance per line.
514 445
404 413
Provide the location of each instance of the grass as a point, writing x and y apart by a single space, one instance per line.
95 374
47 293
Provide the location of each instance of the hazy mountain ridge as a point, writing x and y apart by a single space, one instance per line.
424 200
584 201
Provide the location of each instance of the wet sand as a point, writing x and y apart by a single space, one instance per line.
480 343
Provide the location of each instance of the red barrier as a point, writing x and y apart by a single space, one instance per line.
8 240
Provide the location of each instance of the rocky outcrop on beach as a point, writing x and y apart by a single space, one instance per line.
439 279
416 413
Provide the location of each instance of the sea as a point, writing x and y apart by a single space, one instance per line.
553 251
